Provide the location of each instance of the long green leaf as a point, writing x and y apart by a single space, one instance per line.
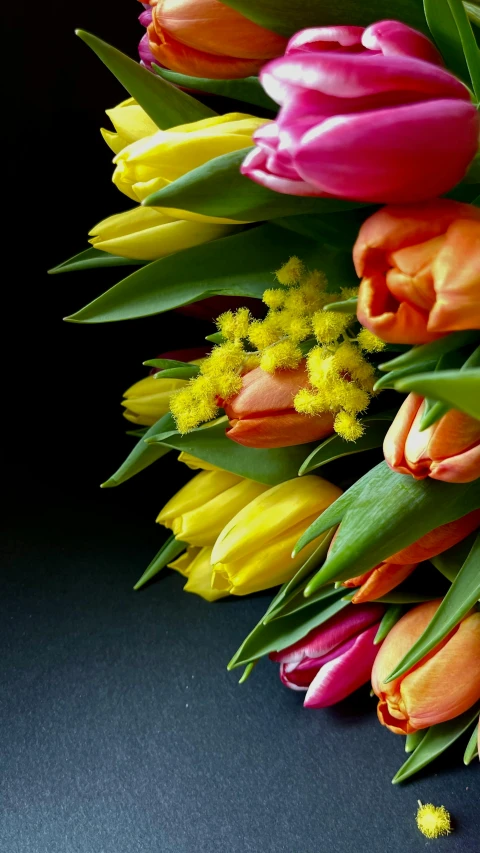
187 371
471 751
239 265
166 105
459 389
334 447
389 379
433 409
91 259
212 445
246 89
414 739
217 188
391 616
141 456
287 18
168 552
446 36
385 513
431 352
460 598
450 562
468 43
436 741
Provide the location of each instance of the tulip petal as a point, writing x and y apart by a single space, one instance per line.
438 540
393 38
394 443
338 38
456 276
341 676
281 429
392 321
382 580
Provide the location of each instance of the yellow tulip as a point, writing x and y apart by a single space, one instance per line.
194 564
202 508
149 399
130 123
253 551
145 233
154 160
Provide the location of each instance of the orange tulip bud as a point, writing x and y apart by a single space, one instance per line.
446 682
449 450
389 574
262 413
205 38
420 271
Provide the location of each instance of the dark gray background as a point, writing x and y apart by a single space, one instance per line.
122 731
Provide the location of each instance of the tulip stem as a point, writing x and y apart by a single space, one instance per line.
469 43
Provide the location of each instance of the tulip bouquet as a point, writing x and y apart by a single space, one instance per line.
326 219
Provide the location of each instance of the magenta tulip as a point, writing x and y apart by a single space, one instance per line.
366 115
146 55
333 660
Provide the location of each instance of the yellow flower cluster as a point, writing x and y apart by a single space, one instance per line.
341 378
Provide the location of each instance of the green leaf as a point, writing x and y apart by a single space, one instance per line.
286 18
473 12
141 456
431 352
187 371
391 616
247 671
168 552
246 89
462 595
345 306
297 602
279 634
212 445
450 562
381 514
389 379
239 265
218 189
339 229
436 741
458 389
471 751
164 363
93 258
468 43
397 596
166 105
433 410
216 338
334 447
446 36
413 740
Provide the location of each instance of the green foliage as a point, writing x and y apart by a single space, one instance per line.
141 456
458 389
91 259
169 551
393 613
334 447
246 89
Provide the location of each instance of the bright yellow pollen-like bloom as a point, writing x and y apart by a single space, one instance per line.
370 342
347 426
234 326
291 272
274 297
329 325
433 821
284 355
264 333
348 292
195 404
352 398
309 402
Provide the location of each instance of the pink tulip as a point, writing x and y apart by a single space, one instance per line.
333 660
366 115
146 55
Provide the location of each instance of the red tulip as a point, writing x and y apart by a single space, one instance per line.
443 685
205 38
262 413
420 271
333 660
449 450
389 574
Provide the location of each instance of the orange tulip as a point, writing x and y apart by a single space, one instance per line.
420 270
389 574
449 450
446 682
262 413
205 38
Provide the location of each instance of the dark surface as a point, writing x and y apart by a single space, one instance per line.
122 731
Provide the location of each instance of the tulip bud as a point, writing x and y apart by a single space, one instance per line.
449 450
262 414
205 38
420 271
202 508
253 551
446 682
333 660
131 123
149 399
194 564
362 117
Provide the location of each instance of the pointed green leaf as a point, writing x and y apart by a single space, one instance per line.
141 456
413 740
397 596
187 371
471 751
297 602
164 363
436 741
459 389
381 514
217 188
446 36
435 410
338 230
450 562
389 379
334 447
345 306
460 598
216 338
239 265
212 445
247 671
246 89
93 258
431 352
391 616
169 551
166 105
